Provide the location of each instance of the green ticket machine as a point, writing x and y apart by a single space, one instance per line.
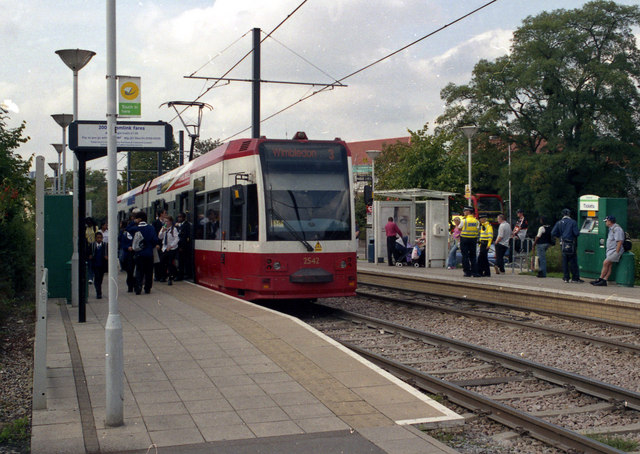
593 234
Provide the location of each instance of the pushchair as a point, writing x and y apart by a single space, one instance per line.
418 255
402 252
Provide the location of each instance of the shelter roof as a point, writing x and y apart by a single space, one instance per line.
414 194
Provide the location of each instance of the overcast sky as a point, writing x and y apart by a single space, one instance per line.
164 40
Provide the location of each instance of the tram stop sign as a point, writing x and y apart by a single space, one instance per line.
91 136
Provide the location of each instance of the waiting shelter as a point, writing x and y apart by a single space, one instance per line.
416 211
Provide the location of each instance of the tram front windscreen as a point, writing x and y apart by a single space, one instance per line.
307 191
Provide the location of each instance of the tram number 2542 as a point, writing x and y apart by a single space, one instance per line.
311 261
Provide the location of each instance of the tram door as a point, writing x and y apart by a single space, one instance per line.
185 203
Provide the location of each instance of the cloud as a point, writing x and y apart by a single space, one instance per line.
9 106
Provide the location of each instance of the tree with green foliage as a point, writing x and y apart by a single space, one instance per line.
16 213
566 98
96 191
429 161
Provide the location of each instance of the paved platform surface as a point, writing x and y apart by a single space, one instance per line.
613 302
209 373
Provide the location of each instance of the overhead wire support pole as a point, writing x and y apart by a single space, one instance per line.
255 86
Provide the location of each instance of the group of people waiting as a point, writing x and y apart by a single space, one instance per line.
469 231
162 248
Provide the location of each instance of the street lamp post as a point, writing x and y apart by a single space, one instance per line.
373 154
59 149
469 132
76 59
63 120
54 166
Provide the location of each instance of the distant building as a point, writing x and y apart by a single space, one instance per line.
361 162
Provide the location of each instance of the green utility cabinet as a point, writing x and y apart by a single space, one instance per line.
593 234
58 243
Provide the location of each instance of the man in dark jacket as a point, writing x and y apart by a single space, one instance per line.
144 257
567 230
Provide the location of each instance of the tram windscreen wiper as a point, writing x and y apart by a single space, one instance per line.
293 231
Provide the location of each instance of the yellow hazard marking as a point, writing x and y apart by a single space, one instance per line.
318 247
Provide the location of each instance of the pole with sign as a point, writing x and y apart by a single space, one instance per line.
129 101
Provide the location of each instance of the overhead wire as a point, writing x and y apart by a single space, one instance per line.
306 60
330 87
246 55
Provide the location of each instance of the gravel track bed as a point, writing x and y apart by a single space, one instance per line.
531 385
16 360
593 328
619 368
605 364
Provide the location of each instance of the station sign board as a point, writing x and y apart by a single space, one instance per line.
91 136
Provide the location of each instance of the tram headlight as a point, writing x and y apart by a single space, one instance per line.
277 266
343 264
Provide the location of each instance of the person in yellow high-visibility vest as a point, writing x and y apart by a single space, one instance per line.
486 237
469 232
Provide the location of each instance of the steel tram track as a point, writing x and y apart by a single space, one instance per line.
520 421
596 340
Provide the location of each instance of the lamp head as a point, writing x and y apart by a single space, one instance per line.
469 131
75 59
63 120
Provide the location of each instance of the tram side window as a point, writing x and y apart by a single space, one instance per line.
252 212
212 218
200 217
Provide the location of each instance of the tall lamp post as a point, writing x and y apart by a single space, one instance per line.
75 59
373 154
59 149
63 120
469 132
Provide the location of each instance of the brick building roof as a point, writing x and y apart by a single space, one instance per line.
358 150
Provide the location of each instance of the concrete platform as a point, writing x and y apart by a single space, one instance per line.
205 372
615 303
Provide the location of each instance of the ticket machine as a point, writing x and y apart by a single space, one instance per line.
593 230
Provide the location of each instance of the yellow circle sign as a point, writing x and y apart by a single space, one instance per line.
129 91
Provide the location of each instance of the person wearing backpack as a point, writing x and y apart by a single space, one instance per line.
567 230
143 253
615 239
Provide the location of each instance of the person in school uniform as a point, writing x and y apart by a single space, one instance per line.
98 258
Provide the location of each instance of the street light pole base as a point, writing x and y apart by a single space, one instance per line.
75 286
114 371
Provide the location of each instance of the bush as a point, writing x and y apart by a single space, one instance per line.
17 265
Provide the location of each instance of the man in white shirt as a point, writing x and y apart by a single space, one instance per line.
502 243
614 251
169 236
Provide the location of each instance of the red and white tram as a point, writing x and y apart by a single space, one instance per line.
272 219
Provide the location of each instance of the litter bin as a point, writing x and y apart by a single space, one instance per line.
370 252
625 270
